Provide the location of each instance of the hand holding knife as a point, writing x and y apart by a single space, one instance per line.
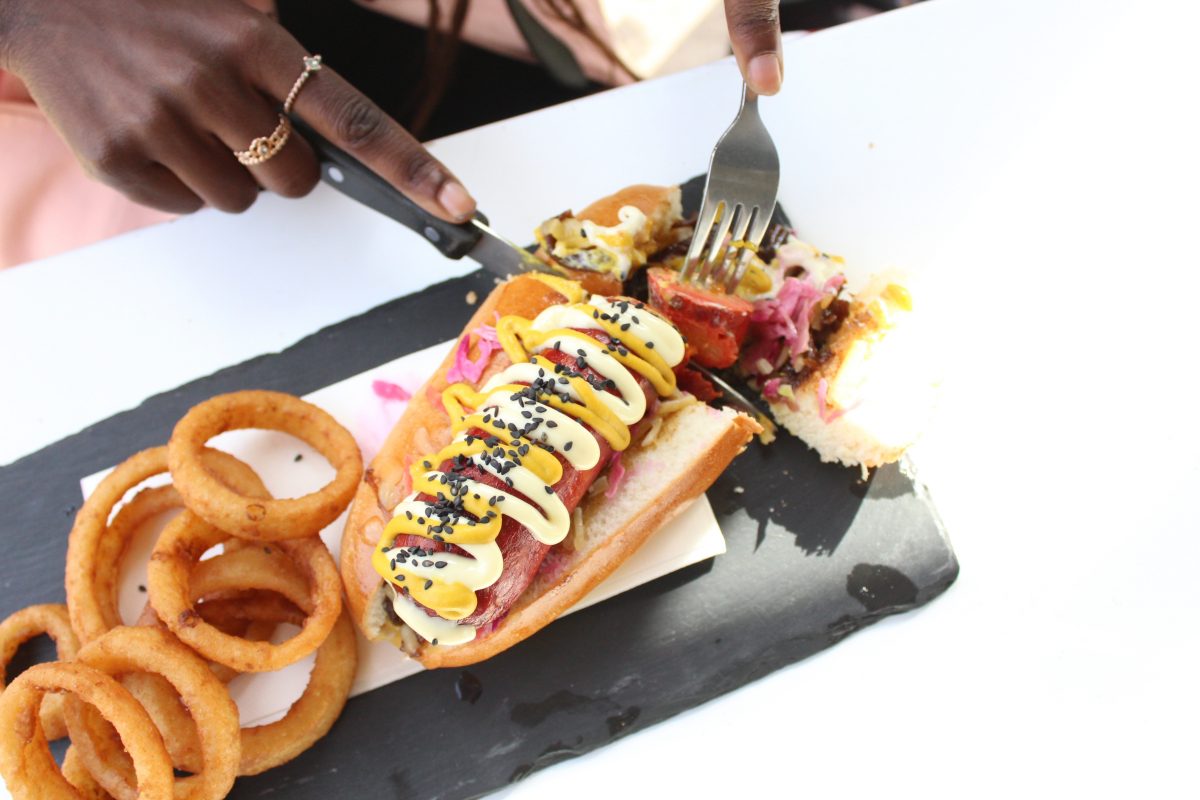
474 239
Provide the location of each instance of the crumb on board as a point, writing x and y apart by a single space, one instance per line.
472 298
739 489
870 145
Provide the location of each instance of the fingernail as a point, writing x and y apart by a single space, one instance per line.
454 198
765 73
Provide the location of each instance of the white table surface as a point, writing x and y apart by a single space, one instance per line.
1038 163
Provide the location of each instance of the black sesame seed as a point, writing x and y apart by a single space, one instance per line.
650 345
567 446
549 489
625 327
408 514
551 423
420 520
428 584
440 565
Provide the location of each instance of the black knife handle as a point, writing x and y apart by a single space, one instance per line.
352 178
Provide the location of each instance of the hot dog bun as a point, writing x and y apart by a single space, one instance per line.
691 447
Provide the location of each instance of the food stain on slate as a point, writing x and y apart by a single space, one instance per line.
468 688
556 752
880 587
530 715
619 723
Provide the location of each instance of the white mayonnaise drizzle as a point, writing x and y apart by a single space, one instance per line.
527 372
583 452
431 629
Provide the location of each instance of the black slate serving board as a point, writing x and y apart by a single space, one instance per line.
814 554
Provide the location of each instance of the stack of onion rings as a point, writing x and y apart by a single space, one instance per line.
141 701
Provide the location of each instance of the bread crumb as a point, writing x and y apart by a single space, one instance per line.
739 489
870 145
472 298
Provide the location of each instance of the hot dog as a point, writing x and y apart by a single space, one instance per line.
475 527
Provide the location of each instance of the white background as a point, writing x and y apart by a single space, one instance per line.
1037 163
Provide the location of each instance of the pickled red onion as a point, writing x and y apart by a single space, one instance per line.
616 474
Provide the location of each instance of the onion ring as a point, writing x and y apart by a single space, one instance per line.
94 548
144 506
253 630
253 517
313 714
161 700
51 620
25 761
78 776
329 683
260 610
156 652
176 554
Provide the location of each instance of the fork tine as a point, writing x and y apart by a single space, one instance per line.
729 258
696 250
737 270
716 251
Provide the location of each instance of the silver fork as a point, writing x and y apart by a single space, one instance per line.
739 197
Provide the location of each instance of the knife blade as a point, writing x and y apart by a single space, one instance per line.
476 239
502 257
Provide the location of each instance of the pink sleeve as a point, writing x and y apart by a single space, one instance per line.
47 202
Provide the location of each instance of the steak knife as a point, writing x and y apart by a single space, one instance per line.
475 239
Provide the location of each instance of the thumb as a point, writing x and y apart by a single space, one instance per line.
754 33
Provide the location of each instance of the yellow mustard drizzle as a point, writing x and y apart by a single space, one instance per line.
565 286
592 412
468 513
518 339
